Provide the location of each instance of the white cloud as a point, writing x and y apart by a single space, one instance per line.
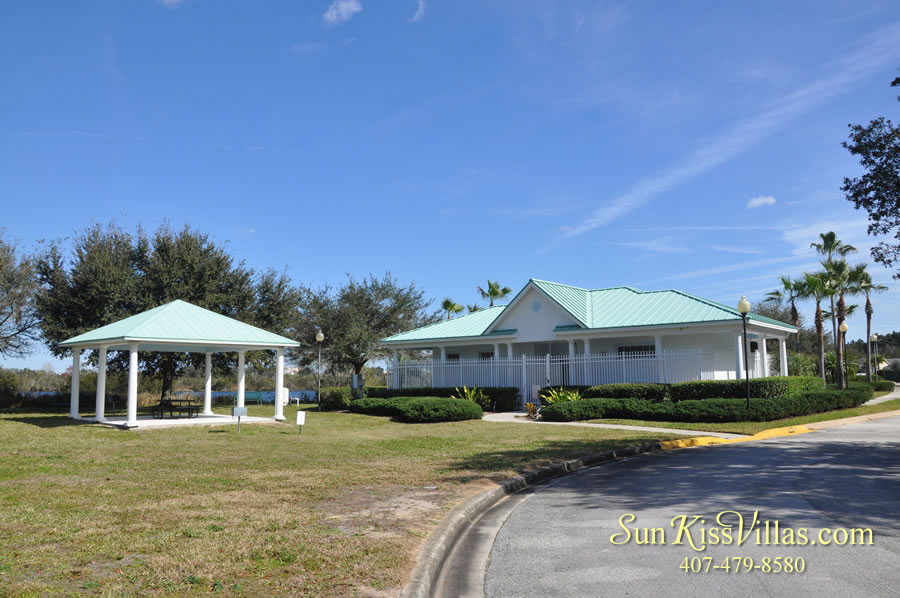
741 250
170 3
729 268
306 47
852 232
420 13
656 246
341 11
762 200
871 58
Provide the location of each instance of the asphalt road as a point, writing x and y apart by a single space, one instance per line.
556 541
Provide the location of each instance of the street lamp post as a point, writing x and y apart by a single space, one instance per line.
844 328
319 338
744 308
874 339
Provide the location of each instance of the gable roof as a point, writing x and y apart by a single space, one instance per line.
598 309
179 323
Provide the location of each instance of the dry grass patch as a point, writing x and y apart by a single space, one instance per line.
337 511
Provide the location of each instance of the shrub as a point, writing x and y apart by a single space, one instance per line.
531 410
775 387
883 385
385 407
438 409
573 410
649 392
335 398
712 409
500 398
801 364
553 396
474 394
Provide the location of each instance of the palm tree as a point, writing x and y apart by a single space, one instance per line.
867 287
451 307
473 308
791 290
816 287
829 247
494 292
842 281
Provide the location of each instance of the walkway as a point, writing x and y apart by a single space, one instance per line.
888 397
519 418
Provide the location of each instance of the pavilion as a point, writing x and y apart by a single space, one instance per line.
174 327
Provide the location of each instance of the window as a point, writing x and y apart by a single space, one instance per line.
452 356
637 349
486 355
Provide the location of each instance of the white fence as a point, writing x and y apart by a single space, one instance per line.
530 374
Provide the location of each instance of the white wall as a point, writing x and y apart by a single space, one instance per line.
534 326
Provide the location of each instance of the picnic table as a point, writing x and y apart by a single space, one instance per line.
175 408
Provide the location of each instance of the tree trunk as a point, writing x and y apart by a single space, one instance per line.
820 329
868 339
834 334
795 316
168 374
840 374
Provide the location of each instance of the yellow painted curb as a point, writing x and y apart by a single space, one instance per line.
668 445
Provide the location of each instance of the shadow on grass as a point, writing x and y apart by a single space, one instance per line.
495 464
47 419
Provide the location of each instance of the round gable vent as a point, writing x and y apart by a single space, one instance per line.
536 306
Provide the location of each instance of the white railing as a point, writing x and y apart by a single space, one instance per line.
529 374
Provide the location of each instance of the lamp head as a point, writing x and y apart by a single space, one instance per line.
844 328
874 338
743 306
319 336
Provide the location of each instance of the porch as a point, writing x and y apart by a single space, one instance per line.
531 373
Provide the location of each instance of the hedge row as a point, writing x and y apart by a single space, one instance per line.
501 398
335 398
775 387
710 410
419 409
883 385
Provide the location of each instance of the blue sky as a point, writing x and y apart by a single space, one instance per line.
591 143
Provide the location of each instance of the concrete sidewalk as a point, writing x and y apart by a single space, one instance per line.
519 418
887 397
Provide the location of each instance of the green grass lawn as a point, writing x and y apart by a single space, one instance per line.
336 511
755 427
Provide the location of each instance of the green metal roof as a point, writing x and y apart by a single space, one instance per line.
616 307
176 324
473 324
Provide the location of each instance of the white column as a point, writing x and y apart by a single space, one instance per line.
240 389
587 346
100 409
739 357
443 354
131 421
279 384
660 358
207 387
764 355
496 351
76 375
509 351
782 352
571 361
395 377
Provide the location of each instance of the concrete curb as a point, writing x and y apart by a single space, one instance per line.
440 542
